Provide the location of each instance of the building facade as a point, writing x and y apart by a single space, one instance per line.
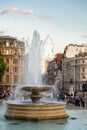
54 69
74 68
13 51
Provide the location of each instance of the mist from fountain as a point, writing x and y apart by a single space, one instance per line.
33 75
34 59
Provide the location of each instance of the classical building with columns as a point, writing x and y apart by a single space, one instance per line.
74 68
13 51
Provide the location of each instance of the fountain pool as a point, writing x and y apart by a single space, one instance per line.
77 121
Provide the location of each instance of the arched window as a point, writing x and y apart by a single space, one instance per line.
7 52
71 81
15 43
7 43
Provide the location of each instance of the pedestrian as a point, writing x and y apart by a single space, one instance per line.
56 90
82 101
77 100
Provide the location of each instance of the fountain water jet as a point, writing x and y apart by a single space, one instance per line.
35 109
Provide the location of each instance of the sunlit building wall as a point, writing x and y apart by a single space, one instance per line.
54 69
13 52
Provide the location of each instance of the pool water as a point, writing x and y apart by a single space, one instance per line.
77 121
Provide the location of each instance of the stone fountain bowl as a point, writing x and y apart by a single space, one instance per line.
36 89
36 112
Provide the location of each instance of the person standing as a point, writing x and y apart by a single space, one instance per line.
57 89
82 101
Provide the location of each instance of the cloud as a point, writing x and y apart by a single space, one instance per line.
22 11
26 11
45 17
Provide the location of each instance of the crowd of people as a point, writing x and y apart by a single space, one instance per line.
5 94
76 99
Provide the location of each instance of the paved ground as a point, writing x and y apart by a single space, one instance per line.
1 102
73 107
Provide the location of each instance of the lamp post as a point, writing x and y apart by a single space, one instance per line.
84 86
71 91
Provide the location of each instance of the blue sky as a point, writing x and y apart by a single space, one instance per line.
64 20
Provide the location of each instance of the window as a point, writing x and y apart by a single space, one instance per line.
7 78
7 69
15 44
19 52
7 51
7 60
15 52
83 61
83 69
2 51
83 77
15 61
7 43
22 79
15 69
15 78
71 81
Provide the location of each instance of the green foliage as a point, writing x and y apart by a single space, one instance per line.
2 67
1 43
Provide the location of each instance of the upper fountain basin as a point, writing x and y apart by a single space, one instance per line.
36 88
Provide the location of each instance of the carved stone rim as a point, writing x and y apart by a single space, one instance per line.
35 88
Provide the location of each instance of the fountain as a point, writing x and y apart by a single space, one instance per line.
35 109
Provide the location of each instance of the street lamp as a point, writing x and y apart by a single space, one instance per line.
84 86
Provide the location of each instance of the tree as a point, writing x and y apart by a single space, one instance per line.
2 63
2 67
1 43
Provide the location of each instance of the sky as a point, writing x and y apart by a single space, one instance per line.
64 20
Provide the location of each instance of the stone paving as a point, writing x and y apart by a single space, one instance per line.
1 102
73 107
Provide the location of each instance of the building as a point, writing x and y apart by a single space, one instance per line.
13 52
74 68
54 69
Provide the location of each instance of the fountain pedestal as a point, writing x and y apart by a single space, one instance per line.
36 110
35 92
